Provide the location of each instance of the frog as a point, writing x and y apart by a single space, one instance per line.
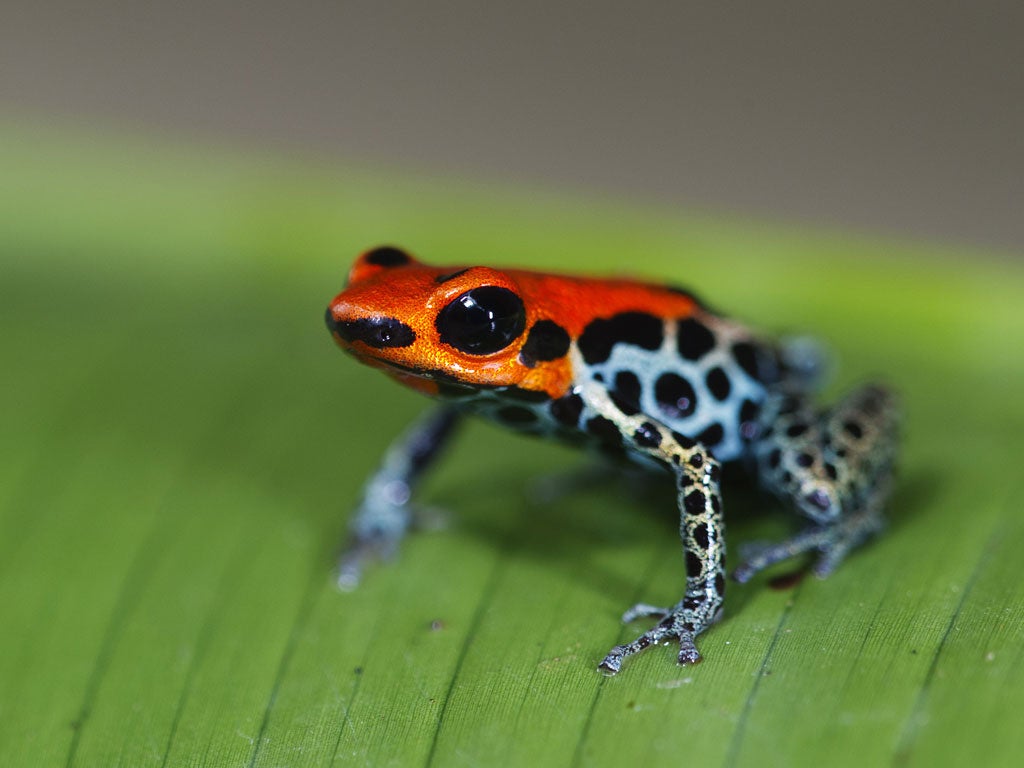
644 374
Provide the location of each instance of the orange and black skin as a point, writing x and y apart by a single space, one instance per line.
416 293
639 371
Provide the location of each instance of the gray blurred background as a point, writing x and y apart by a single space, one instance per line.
899 118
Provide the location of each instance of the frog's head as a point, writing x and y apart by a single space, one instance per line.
438 329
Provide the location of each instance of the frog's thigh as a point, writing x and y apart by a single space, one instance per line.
834 466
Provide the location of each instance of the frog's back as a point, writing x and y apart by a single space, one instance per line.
657 350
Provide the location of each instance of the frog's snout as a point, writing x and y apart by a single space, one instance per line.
374 331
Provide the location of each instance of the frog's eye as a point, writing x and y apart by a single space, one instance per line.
482 321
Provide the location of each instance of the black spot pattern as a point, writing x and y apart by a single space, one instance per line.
675 396
647 435
694 565
718 383
694 339
387 256
853 429
746 357
711 436
683 441
700 535
626 394
720 580
547 340
636 328
567 409
694 502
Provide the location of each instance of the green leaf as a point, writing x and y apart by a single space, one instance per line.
183 444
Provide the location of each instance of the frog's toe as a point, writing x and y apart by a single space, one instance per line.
682 623
644 611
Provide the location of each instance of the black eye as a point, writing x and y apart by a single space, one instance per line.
482 321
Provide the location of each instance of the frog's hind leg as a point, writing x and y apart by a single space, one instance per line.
835 466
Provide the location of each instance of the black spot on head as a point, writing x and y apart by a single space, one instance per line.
718 383
482 320
797 429
774 458
675 396
647 435
637 328
516 414
696 461
567 409
831 471
711 436
451 275
694 339
804 460
626 394
547 340
605 431
376 332
387 256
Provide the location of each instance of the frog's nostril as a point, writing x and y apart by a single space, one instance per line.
377 332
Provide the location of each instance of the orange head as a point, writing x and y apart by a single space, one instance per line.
429 327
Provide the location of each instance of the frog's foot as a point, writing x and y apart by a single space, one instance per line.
833 541
683 623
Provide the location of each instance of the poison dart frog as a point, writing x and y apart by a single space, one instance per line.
639 371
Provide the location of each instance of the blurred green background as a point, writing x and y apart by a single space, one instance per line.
183 188
183 443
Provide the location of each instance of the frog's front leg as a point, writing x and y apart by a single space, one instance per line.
834 466
701 528
386 511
